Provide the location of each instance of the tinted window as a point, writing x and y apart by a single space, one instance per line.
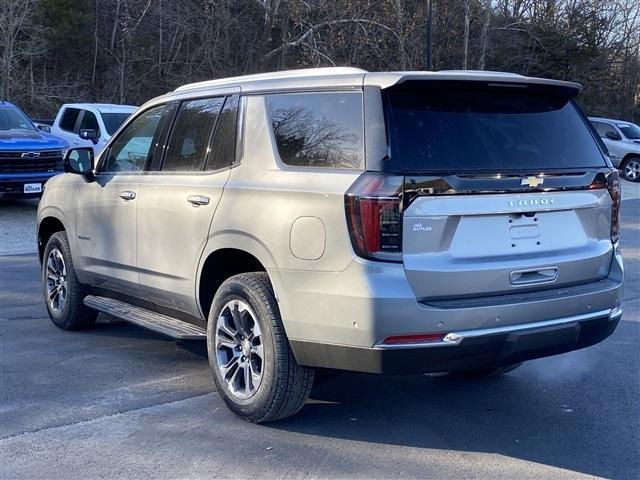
223 146
14 119
112 121
486 130
69 118
603 128
318 129
136 143
189 142
89 122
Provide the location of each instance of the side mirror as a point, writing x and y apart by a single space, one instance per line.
80 162
89 134
613 135
43 127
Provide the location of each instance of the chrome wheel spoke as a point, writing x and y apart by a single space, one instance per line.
247 379
237 320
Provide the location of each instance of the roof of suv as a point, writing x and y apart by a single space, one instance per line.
355 77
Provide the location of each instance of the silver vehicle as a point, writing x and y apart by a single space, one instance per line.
622 139
315 221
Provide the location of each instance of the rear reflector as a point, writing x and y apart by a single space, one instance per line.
417 338
611 181
613 185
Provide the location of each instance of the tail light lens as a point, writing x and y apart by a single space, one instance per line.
613 185
374 215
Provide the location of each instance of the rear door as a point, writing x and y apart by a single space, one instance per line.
67 126
179 198
497 196
89 121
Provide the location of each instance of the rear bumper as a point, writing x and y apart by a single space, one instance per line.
469 349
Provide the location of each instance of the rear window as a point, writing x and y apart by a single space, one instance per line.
486 130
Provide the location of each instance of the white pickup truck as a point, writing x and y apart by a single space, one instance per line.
89 124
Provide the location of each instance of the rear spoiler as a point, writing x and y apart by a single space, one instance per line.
471 79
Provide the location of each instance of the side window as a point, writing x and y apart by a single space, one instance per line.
188 144
223 146
318 129
136 144
603 128
69 118
89 122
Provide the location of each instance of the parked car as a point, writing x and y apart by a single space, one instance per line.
623 142
334 219
90 124
29 157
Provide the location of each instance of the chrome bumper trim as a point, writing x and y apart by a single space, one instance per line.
454 339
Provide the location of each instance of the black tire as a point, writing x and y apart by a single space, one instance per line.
484 372
73 315
284 385
627 172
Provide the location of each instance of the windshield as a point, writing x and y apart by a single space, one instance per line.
14 119
630 131
454 129
112 121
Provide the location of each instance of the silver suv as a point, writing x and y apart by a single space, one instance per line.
327 220
622 140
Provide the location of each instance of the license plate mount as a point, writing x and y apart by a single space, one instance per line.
32 188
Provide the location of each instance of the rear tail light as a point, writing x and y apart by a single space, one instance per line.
374 215
613 185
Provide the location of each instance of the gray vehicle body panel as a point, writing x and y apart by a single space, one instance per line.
292 220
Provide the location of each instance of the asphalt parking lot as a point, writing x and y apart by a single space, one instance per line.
119 402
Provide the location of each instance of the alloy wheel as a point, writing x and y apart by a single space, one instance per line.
239 349
56 281
632 170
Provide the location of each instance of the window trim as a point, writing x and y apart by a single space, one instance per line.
76 123
81 119
235 139
210 137
299 168
104 155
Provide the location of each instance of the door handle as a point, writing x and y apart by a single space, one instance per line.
127 195
198 200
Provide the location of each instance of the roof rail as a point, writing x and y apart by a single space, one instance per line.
302 73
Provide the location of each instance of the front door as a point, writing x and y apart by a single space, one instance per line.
107 213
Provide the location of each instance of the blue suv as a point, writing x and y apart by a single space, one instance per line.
28 156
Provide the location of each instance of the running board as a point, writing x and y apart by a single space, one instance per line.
144 318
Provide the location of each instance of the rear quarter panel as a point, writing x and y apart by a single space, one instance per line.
267 209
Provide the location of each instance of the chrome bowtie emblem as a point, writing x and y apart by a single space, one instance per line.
532 182
30 155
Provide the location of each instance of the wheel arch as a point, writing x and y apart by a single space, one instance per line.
239 254
46 228
630 155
